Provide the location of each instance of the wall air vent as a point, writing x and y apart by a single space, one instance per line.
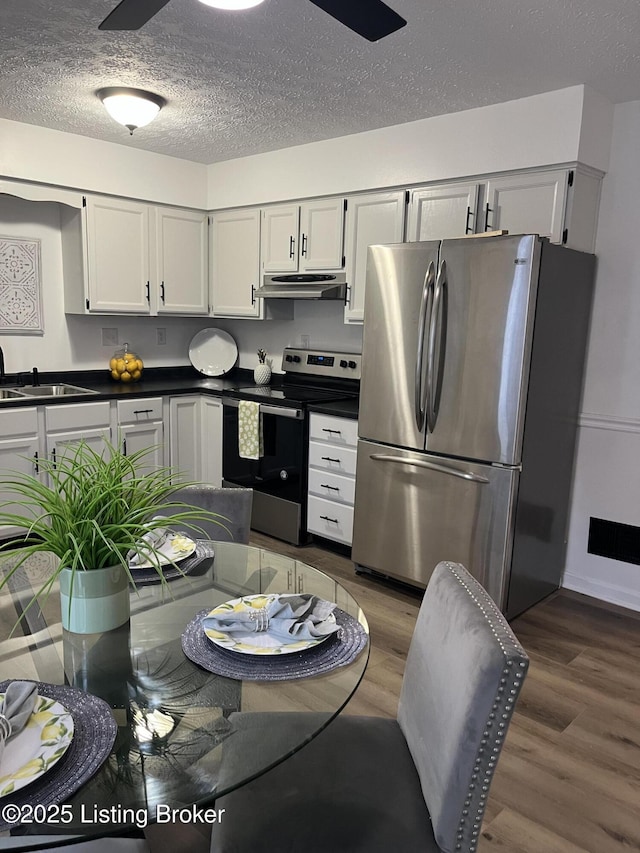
614 540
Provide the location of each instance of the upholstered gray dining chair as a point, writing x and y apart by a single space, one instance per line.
416 783
234 504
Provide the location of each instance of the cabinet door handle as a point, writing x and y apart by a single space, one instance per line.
36 466
289 579
148 289
467 228
292 244
330 459
300 584
253 298
124 446
53 457
336 431
162 292
142 411
332 520
327 486
303 251
347 296
487 211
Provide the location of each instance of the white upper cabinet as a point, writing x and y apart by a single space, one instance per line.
280 237
321 234
527 204
440 213
303 237
371 218
235 263
118 269
181 253
134 258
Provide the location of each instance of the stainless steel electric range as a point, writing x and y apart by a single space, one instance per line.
279 476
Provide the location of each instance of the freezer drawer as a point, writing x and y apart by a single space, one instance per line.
413 510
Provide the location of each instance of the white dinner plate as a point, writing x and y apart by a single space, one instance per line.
176 547
213 352
253 643
41 744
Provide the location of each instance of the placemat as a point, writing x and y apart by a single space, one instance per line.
93 737
339 650
145 577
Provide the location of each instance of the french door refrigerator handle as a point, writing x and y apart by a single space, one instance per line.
436 332
431 466
426 306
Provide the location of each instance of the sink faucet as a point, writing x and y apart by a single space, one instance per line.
36 381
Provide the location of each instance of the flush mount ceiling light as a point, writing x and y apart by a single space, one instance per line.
133 108
232 4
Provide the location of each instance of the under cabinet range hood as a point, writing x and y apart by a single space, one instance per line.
303 286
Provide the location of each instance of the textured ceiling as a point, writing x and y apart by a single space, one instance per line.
285 73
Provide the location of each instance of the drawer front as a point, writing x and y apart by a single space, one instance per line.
19 422
143 409
77 416
341 460
340 431
331 520
333 487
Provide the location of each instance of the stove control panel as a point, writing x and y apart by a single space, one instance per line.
344 365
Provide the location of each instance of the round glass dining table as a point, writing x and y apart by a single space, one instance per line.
181 738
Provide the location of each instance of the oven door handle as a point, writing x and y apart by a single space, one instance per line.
278 411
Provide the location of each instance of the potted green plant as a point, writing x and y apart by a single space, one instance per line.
91 510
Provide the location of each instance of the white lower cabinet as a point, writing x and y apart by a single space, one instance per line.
19 454
141 427
332 469
69 424
195 429
211 417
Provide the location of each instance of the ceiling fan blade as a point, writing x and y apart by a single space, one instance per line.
132 14
371 19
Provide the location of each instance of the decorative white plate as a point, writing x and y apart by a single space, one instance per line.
261 643
176 547
40 745
213 352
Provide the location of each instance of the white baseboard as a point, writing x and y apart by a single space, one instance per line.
621 595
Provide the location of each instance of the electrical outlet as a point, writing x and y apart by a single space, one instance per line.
109 337
161 336
304 341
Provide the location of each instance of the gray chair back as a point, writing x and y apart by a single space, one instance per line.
234 504
455 704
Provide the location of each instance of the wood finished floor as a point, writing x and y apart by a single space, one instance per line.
568 779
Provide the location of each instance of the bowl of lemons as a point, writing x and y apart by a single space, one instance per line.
126 365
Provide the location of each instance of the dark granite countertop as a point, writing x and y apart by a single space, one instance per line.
160 381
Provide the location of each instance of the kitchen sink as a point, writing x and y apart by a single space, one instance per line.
10 394
60 389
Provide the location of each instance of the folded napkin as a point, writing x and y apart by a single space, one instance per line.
287 617
15 709
149 543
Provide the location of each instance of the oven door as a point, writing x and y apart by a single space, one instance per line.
279 477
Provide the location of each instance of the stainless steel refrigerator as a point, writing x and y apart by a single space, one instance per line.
472 368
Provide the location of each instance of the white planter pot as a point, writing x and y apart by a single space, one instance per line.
94 601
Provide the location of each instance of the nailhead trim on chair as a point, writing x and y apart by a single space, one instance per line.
511 682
